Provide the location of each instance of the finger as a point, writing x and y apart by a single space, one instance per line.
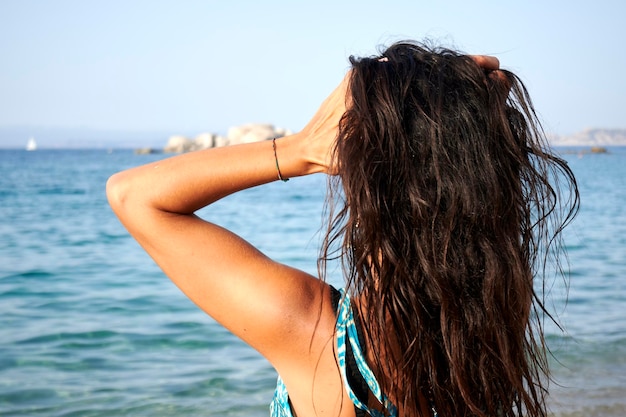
486 61
501 78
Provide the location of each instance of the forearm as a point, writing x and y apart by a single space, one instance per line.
188 182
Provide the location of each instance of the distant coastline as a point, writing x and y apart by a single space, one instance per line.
15 137
591 138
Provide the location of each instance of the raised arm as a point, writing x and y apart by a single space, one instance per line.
259 300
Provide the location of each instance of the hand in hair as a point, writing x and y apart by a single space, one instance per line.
489 63
321 131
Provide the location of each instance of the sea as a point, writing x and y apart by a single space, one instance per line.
89 326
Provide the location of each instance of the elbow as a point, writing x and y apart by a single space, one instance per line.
117 192
129 197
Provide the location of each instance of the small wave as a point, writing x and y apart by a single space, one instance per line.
61 191
184 325
32 274
28 396
8 193
56 337
608 410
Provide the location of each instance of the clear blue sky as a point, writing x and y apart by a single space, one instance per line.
195 66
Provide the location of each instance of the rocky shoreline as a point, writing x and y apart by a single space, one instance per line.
595 139
247 133
591 138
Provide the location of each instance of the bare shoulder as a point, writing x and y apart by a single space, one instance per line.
311 371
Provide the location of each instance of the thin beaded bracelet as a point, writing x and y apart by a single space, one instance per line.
280 176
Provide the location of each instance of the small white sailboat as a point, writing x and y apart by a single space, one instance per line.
31 145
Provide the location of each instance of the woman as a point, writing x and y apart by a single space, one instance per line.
442 202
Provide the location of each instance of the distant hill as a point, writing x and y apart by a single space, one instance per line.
63 138
591 137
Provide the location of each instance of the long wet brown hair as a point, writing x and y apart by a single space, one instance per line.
447 210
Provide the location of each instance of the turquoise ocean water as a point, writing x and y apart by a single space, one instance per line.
89 326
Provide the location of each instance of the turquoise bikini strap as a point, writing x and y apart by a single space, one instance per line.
347 327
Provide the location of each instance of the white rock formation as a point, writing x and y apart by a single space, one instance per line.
204 141
178 144
591 137
247 133
220 141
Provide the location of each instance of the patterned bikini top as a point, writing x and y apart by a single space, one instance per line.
348 346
